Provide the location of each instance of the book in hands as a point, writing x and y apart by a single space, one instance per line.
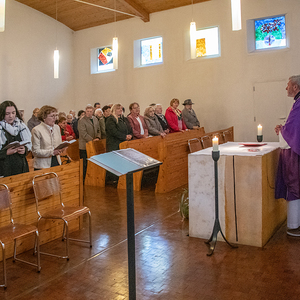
16 144
65 144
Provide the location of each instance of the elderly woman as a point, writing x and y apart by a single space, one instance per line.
116 129
12 128
161 118
45 138
100 117
66 131
137 123
152 122
174 117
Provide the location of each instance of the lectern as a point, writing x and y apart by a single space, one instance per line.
121 162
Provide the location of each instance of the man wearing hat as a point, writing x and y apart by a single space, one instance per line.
189 116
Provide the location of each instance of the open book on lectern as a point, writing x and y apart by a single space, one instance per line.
121 162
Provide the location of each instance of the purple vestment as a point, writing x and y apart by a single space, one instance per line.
288 173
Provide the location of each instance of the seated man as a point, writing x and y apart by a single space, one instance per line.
189 116
138 125
161 118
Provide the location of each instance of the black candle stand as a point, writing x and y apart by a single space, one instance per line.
259 138
217 227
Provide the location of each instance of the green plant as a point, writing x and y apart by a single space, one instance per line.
184 204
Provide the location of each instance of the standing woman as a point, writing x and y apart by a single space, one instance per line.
116 129
12 128
45 138
174 117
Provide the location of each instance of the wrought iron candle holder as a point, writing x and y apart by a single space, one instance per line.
217 227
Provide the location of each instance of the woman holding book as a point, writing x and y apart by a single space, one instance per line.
13 130
45 138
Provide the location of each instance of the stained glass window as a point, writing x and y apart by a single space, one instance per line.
151 51
207 42
105 59
270 33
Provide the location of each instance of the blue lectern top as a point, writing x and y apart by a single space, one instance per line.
121 162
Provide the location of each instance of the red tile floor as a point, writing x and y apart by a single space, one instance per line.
169 264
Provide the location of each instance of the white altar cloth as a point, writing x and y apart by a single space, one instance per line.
255 179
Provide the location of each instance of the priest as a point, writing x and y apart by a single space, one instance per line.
288 173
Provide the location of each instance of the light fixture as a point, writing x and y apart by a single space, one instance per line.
115 44
2 15
56 63
115 52
56 52
193 35
236 15
193 39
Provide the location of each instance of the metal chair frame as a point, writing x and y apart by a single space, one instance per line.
70 214
16 231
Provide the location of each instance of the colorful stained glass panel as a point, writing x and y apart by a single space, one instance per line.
270 33
151 51
207 42
105 59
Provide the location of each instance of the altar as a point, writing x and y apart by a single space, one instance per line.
249 214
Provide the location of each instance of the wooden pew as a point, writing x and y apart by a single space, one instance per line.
174 144
148 146
24 208
95 175
173 152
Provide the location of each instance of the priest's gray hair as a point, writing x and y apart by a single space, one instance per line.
295 80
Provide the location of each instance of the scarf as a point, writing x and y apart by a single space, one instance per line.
17 127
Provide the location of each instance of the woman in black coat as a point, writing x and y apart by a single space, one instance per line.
13 129
116 128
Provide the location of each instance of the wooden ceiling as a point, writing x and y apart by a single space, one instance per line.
78 15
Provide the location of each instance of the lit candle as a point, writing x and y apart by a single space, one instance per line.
259 130
215 142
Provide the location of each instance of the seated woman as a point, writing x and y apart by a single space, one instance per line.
12 128
161 118
174 117
66 131
139 128
45 138
116 129
152 122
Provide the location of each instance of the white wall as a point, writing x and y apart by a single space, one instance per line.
26 60
222 88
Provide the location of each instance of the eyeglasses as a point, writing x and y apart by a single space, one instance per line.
52 116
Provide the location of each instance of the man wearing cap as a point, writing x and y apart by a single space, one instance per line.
189 116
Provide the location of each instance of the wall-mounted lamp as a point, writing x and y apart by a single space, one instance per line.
2 15
236 15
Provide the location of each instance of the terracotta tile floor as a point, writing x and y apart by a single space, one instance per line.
169 264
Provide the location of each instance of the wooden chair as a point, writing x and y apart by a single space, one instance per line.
13 231
206 141
228 136
47 186
194 145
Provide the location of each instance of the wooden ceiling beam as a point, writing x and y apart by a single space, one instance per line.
138 10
